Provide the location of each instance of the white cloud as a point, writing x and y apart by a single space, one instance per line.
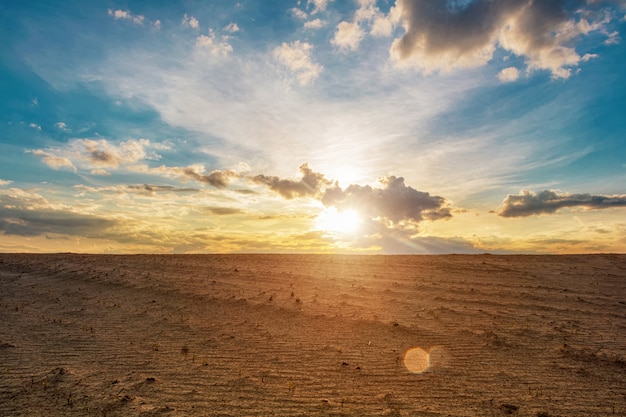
35 126
98 154
119 14
315 24
53 161
348 36
5 182
217 47
299 14
101 172
190 21
588 57
232 27
126 15
613 38
382 26
318 5
509 74
296 56
157 24
62 126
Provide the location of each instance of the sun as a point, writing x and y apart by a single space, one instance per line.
340 222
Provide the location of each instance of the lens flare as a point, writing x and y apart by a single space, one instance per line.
417 360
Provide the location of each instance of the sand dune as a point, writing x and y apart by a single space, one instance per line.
312 335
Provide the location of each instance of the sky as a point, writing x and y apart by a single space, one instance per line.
313 126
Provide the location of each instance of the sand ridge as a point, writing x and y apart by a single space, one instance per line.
312 335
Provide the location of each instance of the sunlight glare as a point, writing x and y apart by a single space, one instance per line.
334 221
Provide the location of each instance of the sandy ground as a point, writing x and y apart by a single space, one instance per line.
314 335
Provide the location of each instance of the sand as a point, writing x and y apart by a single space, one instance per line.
312 335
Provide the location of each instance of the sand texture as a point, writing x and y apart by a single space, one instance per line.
312 335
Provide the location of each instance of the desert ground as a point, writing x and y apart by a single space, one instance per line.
312 335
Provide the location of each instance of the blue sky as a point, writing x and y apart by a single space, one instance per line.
407 126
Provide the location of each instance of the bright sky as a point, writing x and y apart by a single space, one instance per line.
406 126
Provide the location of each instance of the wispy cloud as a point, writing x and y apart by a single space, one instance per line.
98 154
195 172
296 56
315 24
53 161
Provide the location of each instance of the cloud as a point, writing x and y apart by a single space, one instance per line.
439 37
190 21
318 5
309 185
101 172
141 189
126 15
223 211
528 203
508 75
232 27
98 154
24 213
348 36
315 24
395 202
296 56
53 161
217 47
62 126
216 178
299 14
39 222
35 126
5 182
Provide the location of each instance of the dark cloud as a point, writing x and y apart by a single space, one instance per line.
223 211
217 179
24 222
101 157
528 203
139 189
149 189
395 202
445 34
310 185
